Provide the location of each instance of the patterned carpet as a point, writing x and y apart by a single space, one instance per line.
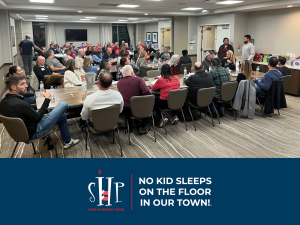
270 137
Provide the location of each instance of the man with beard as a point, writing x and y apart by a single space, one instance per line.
248 50
97 56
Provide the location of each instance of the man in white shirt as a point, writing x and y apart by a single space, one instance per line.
79 58
248 50
103 98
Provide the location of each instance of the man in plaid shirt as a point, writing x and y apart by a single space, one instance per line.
220 75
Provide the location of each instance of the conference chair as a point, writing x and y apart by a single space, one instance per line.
153 73
286 80
18 131
204 99
188 67
143 71
228 92
176 100
141 107
90 78
105 120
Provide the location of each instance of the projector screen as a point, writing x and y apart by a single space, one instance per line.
76 34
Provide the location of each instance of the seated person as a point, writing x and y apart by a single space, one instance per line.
136 55
99 47
141 45
57 49
53 63
175 66
199 80
53 49
123 48
124 61
75 52
118 59
29 96
67 55
165 51
131 86
165 58
73 74
42 53
283 69
87 65
88 50
207 61
72 53
164 84
103 98
97 56
128 48
229 60
141 61
246 71
266 81
79 58
38 123
82 46
149 51
111 57
185 59
104 65
44 73
220 76
116 49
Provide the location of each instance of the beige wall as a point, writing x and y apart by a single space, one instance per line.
275 31
180 34
240 30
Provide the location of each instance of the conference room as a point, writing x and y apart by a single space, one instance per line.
149 79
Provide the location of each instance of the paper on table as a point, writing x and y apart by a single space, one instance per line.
153 82
115 82
233 75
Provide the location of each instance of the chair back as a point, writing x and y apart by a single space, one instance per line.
153 73
205 96
90 78
142 106
228 91
106 119
176 98
286 80
143 71
16 128
188 67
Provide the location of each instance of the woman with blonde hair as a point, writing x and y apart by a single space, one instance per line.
175 66
229 60
87 65
246 71
141 61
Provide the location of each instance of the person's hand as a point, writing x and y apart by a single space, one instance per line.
239 46
228 61
63 68
254 78
47 94
152 67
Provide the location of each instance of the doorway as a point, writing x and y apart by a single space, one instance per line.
165 38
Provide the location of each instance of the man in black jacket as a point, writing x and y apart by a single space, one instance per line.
185 59
37 123
44 73
224 48
199 80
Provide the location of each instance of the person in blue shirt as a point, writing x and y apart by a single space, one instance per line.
111 57
97 56
53 49
81 47
76 51
265 83
165 51
87 65
25 49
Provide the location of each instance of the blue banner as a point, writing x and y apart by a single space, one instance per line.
150 191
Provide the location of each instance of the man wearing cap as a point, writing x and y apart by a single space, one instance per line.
207 61
185 59
25 49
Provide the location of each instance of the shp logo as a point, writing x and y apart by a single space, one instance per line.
103 188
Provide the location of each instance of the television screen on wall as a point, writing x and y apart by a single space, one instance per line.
76 34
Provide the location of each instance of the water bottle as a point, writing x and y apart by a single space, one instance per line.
185 71
41 88
84 82
209 69
257 70
237 66
52 92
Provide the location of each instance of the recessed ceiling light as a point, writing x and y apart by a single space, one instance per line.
122 20
191 8
40 16
133 18
204 10
289 6
229 2
43 18
128 6
91 17
85 19
42 1
146 14
80 11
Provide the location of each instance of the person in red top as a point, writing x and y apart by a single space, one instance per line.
175 66
72 54
116 49
142 46
124 49
99 47
164 84
131 86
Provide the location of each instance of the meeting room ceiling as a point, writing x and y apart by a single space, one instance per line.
147 10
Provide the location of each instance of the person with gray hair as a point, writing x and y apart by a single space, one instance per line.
103 98
164 60
131 86
26 52
175 66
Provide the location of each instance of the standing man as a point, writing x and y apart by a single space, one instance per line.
248 50
25 49
207 61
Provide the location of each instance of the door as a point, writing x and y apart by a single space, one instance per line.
165 38
222 31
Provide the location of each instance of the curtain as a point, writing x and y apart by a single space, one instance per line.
105 33
50 34
130 28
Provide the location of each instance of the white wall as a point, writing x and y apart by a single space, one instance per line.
150 27
93 32
165 24
5 49
240 30
14 49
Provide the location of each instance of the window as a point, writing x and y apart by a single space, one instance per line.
39 34
120 33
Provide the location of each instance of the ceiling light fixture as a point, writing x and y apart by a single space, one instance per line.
91 17
40 16
42 1
20 16
43 18
122 20
204 10
128 6
289 6
80 11
191 8
146 14
85 19
133 18
229 2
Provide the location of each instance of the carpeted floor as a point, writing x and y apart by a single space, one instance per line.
270 137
